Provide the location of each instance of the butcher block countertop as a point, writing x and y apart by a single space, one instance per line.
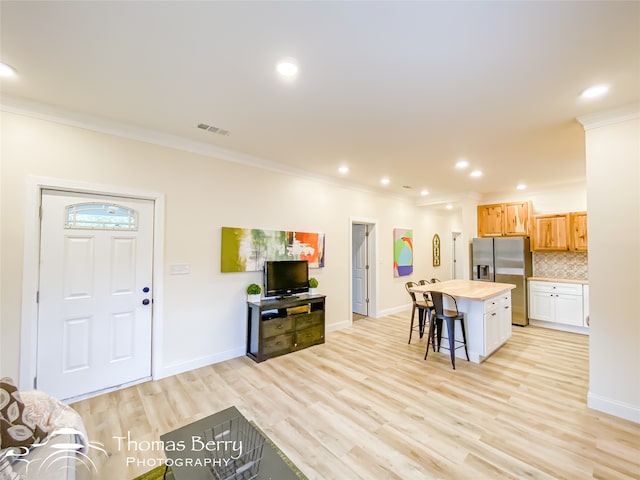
471 289
559 280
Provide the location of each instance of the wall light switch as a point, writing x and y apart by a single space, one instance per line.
179 269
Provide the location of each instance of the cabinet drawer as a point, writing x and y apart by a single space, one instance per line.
495 302
308 319
276 326
309 336
559 288
279 343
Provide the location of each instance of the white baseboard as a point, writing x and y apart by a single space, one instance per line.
393 310
614 407
181 367
337 326
560 326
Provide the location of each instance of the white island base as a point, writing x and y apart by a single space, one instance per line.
487 314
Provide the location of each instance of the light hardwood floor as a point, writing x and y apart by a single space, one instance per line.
365 405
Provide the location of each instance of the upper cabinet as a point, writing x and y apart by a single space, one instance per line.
516 218
504 219
551 232
490 220
560 232
578 227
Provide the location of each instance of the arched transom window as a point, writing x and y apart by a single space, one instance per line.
103 216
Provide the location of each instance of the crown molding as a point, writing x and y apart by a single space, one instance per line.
609 117
50 113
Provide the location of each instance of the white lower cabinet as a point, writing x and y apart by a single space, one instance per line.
556 302
497 321
487 323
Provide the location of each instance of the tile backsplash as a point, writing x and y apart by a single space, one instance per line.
567 265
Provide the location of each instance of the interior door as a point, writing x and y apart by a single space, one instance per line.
359 267
95 292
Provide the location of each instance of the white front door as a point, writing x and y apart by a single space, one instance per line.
95 292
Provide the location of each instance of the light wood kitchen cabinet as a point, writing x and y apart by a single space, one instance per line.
550 232
578 227
516 218
504 219
490 220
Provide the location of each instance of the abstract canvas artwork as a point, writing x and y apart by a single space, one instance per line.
402 252
246 249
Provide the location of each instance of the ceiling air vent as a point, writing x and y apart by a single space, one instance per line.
212 129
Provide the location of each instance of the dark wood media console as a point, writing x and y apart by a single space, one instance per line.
277 327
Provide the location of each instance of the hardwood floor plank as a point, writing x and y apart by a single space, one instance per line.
366 405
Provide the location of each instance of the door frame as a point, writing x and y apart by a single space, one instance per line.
372 254
365 241
31 266
456 253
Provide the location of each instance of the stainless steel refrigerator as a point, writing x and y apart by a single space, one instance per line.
505 260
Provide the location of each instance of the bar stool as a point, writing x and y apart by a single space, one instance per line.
424 310
450 317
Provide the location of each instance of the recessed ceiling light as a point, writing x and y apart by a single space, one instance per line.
521 186
385 181
287 67
424 192
343 169
476 173
7 70
462 164
449 206
595 91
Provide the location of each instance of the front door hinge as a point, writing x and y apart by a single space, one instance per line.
38 296
35 383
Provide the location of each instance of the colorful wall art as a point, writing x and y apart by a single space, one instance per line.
402 252
246 249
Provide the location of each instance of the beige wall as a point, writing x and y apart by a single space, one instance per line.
565 198
613 181
204 312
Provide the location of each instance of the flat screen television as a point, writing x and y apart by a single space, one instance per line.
286 277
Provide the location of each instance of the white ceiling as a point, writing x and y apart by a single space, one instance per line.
402 89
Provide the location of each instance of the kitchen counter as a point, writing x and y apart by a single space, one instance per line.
487 313
470 289
559 280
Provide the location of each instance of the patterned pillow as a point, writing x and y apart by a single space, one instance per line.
17 429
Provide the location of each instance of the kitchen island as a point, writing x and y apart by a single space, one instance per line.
487 313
